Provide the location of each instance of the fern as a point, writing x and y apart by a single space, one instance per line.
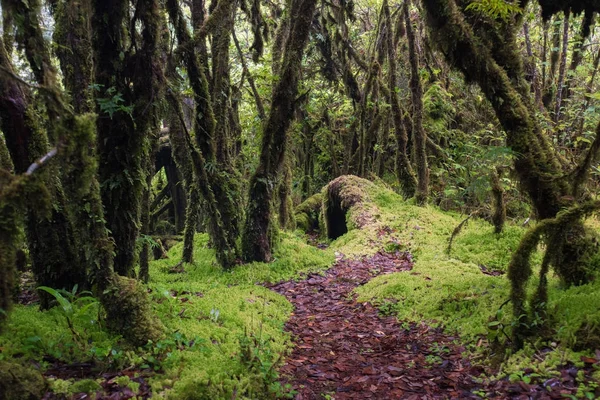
496 9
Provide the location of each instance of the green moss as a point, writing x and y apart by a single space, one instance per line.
20 383
85 386
307 213
128 311
220 310
451 290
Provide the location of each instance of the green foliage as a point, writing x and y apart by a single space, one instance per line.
113 102
74 307
496 9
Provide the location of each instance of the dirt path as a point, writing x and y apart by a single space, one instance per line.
347 350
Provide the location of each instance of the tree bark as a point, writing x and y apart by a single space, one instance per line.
406 176
255 241
419 135
562 69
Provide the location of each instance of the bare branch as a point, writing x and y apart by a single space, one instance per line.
39 163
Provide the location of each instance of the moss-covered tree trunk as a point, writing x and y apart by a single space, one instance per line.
10 222
73 36
416 89
404 171
255 241
217 182
182 156
136 77
286 207
50 237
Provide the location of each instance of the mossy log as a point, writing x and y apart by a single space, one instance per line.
347 205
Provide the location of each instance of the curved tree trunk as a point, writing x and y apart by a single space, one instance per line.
255 241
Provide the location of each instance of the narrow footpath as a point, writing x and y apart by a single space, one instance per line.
347 350
344 349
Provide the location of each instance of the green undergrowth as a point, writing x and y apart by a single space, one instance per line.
224 332
451 290
237 325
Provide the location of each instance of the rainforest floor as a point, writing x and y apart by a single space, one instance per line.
385 311
345 349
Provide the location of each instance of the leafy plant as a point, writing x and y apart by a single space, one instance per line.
257 356
73 306
113 103
497 9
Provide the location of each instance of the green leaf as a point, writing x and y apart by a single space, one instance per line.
64 303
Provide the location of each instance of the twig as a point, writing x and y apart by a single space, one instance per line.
41 161
458 229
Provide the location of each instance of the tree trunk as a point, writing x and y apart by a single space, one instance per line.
50 237
124 135
406 176
72 34
562 69
532 67
221 180
419 135
255 241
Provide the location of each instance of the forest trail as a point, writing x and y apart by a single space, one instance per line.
348 350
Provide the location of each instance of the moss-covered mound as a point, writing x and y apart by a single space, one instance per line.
20 383
128 311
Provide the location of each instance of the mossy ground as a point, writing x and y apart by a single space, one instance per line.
223 331
452 291
229 314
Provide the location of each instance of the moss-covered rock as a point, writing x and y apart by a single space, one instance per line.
128 311
20 383
85 386
308 212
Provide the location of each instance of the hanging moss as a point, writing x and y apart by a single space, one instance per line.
556 231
